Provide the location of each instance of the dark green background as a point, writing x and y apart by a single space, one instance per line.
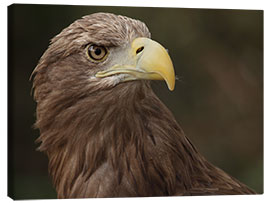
218 98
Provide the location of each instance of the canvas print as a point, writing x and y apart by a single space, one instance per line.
134 102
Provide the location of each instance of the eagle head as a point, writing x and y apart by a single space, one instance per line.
101 51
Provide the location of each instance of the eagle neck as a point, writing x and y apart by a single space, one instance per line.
127 128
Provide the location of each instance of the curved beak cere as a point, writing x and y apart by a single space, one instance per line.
147 60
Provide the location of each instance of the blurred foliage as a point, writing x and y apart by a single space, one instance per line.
218 99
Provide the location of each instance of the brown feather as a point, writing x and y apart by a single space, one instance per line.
105 139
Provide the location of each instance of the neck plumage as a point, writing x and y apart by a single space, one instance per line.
126 128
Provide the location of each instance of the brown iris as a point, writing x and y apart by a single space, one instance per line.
96 53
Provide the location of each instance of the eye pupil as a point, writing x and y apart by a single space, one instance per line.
98 51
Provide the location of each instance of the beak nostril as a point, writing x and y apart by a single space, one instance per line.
139 50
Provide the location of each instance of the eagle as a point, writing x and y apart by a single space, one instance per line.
105 132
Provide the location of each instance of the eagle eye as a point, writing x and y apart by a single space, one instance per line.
96 53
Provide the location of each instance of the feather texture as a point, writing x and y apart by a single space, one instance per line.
110 139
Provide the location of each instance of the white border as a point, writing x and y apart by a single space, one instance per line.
225 4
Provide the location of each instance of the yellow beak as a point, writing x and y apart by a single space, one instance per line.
147 60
